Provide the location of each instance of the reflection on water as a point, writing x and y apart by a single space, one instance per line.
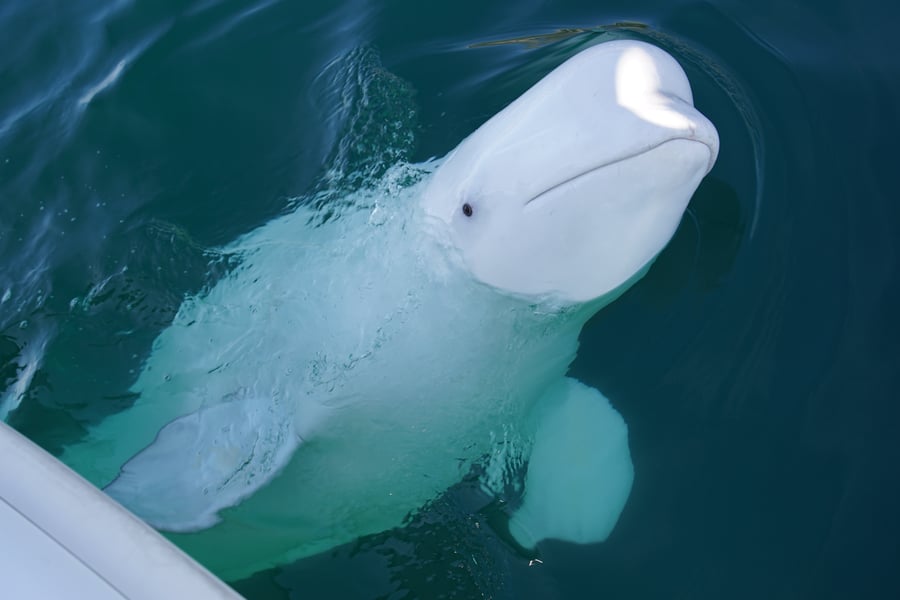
542 39
757 363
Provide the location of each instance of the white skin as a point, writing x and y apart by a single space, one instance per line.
346 374
582 180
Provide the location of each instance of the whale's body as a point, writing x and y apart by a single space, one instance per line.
351 369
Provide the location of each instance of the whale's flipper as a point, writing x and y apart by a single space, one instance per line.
580 472
203 462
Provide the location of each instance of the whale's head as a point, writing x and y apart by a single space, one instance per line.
576 186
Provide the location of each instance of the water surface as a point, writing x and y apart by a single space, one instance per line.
757 365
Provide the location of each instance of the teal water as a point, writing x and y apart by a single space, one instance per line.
757 365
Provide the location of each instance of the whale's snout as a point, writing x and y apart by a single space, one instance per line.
649 86
680 120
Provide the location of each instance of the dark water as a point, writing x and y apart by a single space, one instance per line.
757 365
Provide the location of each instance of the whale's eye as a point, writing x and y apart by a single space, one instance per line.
467 209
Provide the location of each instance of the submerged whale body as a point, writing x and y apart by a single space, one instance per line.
349 370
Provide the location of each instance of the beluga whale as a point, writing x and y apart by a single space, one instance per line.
353 366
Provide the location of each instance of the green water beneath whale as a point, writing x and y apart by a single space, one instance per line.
757 365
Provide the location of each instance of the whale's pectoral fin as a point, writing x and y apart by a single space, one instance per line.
202 463
580 472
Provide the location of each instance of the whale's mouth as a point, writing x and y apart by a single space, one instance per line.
584 177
